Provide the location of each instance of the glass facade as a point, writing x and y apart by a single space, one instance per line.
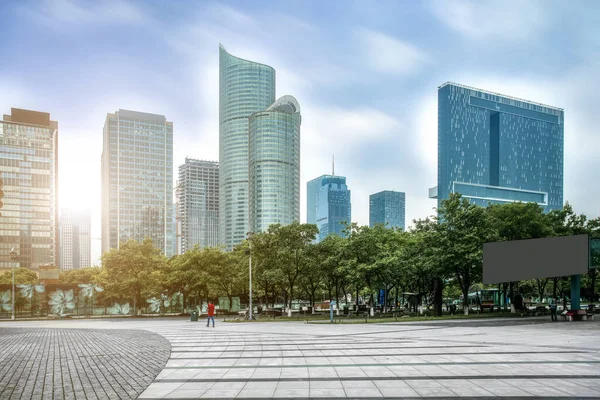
274 165
75 240
137 180
198 204
497 149
387 208
328 205
28 167
245 87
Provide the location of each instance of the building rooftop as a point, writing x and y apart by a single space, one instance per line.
499 94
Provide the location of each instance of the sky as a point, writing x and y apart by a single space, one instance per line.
365 74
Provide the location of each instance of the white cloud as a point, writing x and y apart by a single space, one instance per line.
507 20
58 13
391 55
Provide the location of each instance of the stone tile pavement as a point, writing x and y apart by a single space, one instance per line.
46 363
405 360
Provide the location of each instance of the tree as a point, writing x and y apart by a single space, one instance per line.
22 276
127 271
292 243
82 275
312 277
226 270
462 229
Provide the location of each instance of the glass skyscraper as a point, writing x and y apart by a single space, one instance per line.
494 148
245 87
198 204
75 240
28 168
274 162
137 180
387 208
328 205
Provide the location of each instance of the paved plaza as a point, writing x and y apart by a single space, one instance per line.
505 358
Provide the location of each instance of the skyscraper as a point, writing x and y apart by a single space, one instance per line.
198 204
137 180
274 162
28 168
494 148
387 208
75 240
245 87
328 205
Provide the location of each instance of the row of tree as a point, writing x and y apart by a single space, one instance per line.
288 265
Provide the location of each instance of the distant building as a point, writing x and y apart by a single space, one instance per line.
75 240
198 204
274 162
387 208
245 87
28 168
494 148
328 205
137 180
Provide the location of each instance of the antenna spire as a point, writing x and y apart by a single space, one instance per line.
333 165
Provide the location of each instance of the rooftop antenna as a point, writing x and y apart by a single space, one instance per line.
333 165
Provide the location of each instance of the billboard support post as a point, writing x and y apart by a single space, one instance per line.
575 292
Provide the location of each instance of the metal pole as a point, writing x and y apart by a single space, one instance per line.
13 291
250 275
13 257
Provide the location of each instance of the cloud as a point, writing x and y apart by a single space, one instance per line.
60 14
499 20
391 55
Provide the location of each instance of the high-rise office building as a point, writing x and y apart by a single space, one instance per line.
494 148
29 170
274 162
245 87
328 205
387 208
198 204
75 240
137 180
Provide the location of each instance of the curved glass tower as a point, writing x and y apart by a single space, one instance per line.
245 87
274 165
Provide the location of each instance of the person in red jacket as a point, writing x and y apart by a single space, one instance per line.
211 314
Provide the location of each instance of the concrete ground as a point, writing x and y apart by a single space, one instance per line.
491 358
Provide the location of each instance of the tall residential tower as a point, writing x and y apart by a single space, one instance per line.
137 180
387 208
198 204
274 162
29 171
494 148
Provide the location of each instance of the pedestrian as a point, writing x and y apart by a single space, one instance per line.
553 309
211 314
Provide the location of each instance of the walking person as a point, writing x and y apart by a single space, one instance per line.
553 309
211 314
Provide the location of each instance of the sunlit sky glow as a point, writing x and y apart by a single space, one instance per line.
365 73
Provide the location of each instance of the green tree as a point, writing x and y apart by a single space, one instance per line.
82 275
127 271
462 229
22 276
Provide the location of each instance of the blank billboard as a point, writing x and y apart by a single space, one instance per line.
535 258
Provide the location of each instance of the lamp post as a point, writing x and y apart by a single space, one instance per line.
13 257
249 234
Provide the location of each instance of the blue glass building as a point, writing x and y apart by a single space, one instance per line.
498 149
328 205
387 208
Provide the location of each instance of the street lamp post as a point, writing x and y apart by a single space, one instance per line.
13 257
249 234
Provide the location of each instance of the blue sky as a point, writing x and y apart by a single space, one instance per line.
365 73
